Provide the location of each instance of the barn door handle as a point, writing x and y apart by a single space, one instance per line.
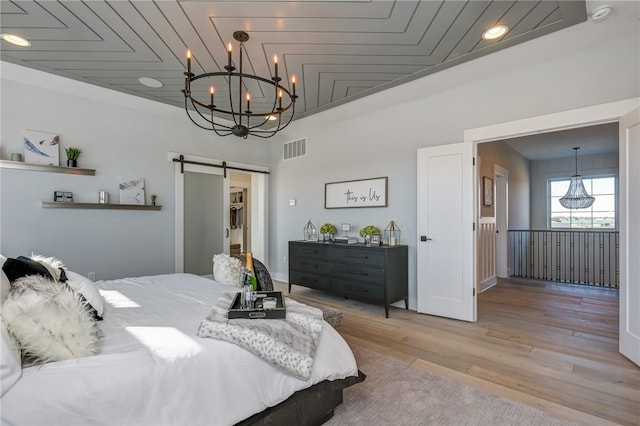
424 238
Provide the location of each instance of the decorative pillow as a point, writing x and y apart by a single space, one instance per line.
50 322
53 265
89 291
227 270
262 276
10 363
22 267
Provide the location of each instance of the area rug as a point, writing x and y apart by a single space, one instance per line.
396 393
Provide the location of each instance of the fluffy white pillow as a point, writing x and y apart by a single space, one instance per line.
53 264
11 363
87 288
227 270
50 321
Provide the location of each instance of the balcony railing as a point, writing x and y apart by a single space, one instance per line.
580 257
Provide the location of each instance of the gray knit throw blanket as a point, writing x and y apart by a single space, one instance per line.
287 344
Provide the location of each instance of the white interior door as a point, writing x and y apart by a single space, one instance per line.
630 236
446 231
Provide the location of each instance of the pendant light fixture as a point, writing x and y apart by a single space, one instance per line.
576 197
230 118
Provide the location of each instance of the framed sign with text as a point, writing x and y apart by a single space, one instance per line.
356 193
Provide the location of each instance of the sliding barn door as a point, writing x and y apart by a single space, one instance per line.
446 215
202 217
630 236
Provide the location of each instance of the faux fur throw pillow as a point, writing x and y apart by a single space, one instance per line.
227 270
50 322
53 265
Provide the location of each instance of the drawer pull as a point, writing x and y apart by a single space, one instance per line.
308 251
357 257
360 274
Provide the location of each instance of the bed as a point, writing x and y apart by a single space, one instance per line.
152 368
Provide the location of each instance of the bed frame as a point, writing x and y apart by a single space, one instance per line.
309 407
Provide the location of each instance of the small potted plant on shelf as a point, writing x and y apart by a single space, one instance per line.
367 232
72 156
328 230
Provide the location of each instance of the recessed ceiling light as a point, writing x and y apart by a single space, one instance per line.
495 32
15 39
150 82
601 12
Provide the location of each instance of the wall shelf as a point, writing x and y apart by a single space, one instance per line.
96 206
19 165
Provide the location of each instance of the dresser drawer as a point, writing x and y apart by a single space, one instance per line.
310 265
306 279
355 272
361 256
308 250
358 289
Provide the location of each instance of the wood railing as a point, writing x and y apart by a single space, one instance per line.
581 257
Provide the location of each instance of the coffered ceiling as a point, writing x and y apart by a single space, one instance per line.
338 50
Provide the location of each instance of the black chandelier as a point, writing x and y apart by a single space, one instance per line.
264 123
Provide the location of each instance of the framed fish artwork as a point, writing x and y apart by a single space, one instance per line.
41 148
131 190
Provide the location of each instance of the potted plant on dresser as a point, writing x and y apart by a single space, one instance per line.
367 232
72 156
328 230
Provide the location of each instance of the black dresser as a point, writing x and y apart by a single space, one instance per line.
376 274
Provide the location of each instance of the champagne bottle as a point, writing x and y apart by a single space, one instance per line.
249 273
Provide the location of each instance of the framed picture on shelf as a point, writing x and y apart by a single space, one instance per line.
375 240
312 236
487 191
41 148
131 190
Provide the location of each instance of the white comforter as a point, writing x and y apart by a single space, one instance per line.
154 370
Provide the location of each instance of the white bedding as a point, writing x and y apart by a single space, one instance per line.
154 370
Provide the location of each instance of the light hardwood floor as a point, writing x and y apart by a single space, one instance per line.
550 346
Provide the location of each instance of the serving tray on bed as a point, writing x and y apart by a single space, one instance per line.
257 312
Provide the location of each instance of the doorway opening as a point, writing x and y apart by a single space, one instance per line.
599 114
207 207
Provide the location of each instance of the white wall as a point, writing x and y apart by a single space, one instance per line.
542 171
492 153
119 135
584 65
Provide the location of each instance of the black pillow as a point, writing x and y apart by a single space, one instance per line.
262 276
23 266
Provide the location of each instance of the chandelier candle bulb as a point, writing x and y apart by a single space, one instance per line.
248 102
189 61
229 47
280 100
275 67
293 81
212 91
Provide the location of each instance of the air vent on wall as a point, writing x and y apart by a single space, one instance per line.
297 148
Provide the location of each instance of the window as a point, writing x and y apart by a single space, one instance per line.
601 214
